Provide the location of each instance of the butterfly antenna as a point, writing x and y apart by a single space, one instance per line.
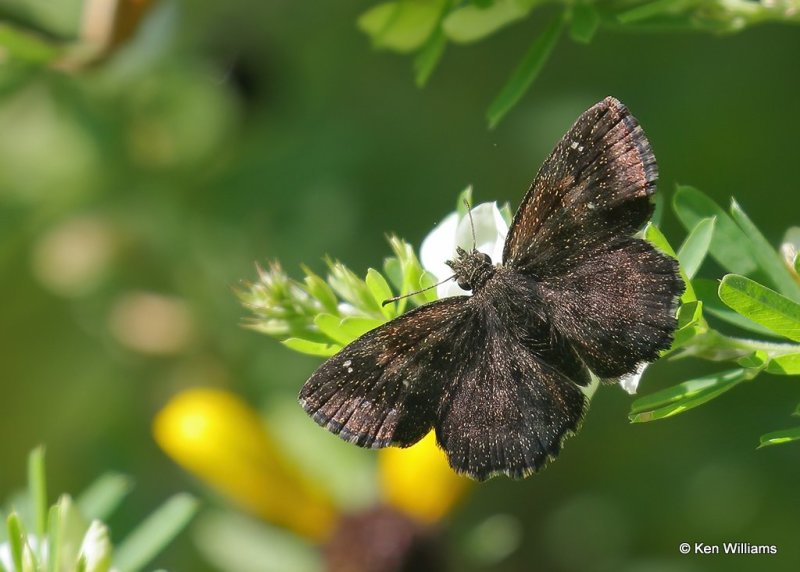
471 224
401 296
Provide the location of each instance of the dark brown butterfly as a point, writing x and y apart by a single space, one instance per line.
498 374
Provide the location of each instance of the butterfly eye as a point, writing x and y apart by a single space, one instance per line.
464 285
486 258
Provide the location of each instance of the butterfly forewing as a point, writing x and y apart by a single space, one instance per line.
383 389
595 185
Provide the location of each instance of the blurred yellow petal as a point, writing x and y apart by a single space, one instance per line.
419 481
219 438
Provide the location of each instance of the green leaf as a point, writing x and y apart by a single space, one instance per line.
54 541
779 437
654 236
765 255
311 348
37 485
25 46
690 316
526 72
464 199
761 305
472 23
380 290
687 395
320 290
788 364
584 24
103 496
16 539
650 10
401 26
429 57
152 535
694 248
708 292
757 359
730 246
331 326
355 327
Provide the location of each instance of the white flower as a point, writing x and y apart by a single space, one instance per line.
630 382
96 548
440 245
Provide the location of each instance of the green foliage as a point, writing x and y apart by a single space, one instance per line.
71 537
318 317
738 245
425 27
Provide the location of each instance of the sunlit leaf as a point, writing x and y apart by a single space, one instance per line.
471 23
37 487
779 437
730 246
380 289
708 292
320 290
788 364
761 305
401 26
584 23
526 72
765 255
693 250
654 236
687 395
311 348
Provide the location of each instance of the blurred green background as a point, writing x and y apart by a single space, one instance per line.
137 191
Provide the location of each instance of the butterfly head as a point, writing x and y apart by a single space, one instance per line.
472 269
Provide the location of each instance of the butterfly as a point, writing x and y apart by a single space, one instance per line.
499 374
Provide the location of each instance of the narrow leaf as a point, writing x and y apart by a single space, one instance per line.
16 539
686 395
320 290
761 305
778 437
104 495
150 537
526 72
37 485
429 57
765 255
729 245
380 290
708 292
54 530
584 24
311 348
693 250
654 236
648 10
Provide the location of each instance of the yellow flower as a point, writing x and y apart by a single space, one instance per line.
221 440
217 437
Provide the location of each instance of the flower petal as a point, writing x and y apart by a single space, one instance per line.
419 481
630 382
439 247
219 438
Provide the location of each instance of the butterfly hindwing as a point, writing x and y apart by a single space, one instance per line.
516 395
595 185
617 307
383 388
